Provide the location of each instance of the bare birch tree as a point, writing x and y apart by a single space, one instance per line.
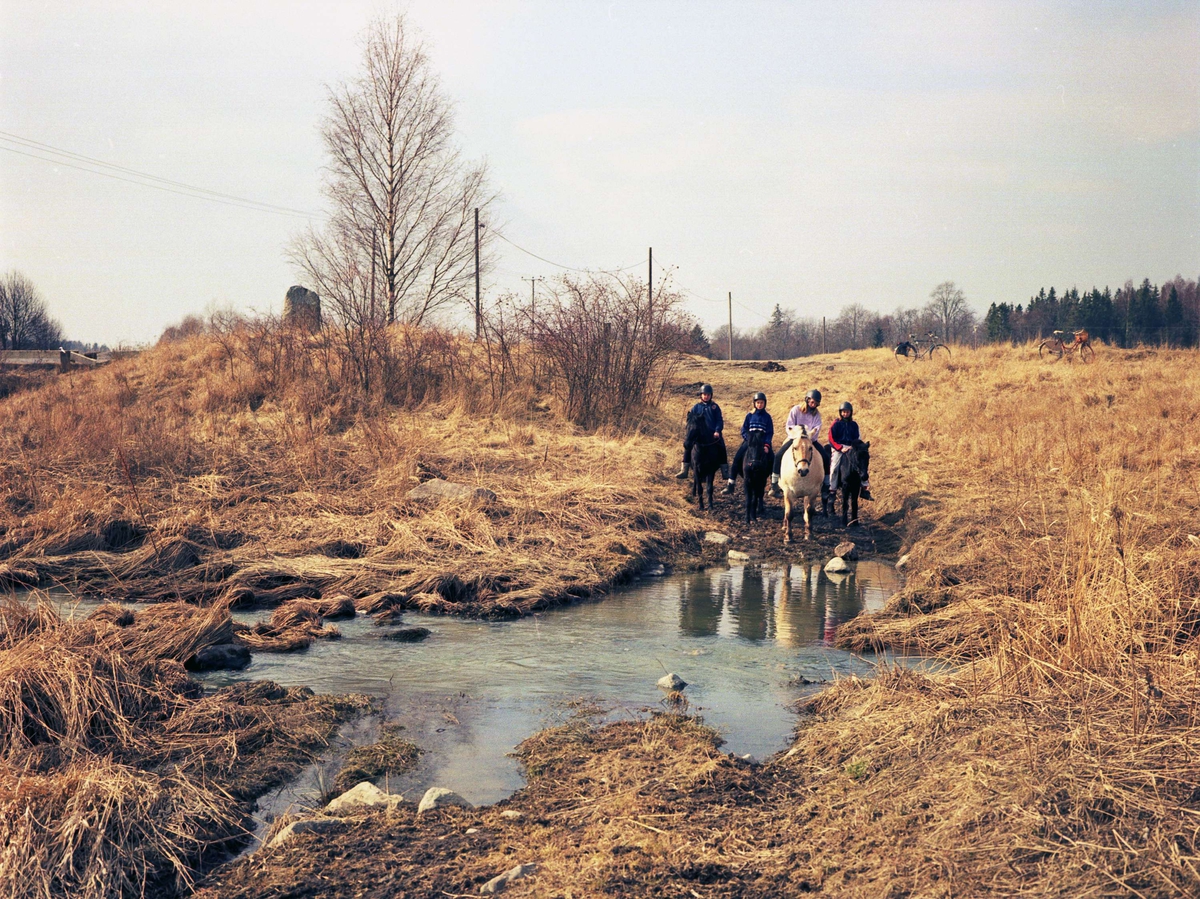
949 306
25 322
399 243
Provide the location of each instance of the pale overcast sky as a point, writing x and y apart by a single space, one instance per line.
806 154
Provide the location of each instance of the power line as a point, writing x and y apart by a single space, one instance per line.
144 179
570 268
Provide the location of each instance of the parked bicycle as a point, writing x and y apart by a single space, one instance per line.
928 348
1056 346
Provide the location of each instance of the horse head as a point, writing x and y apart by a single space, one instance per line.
862 458
802 448
754 447
696 429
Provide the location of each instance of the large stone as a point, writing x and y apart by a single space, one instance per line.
736 555
307 825
500 883
837 565
714 537
435 490
219 657
672 683
440 797
362 796
846 550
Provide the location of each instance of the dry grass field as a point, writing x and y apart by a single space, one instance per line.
1049 515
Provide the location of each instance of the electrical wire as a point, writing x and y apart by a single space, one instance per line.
570 268
144 179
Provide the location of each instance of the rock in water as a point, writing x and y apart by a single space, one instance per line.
736 555
220 656
671 683
440 797
408 634
837 565
846 550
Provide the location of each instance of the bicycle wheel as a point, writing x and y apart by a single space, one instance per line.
1050 350
1086 353
939 351
906 351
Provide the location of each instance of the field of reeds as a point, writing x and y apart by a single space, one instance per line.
1048 513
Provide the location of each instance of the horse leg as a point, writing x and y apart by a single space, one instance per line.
787 517
854 506
748 487
808 506
698 487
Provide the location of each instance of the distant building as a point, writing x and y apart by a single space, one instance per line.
302 307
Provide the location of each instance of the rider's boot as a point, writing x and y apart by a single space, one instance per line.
684 470
865 492
725 471
775 491
728 491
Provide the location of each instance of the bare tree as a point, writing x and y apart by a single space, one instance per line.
949 306
399 243
25 323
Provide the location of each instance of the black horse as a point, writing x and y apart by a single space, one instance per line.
855 465
756 468
707 456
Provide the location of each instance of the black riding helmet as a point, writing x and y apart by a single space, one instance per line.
815 394
846 407
707 388
759 396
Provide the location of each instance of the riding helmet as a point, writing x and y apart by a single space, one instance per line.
846 407
707 388
760 396
815 394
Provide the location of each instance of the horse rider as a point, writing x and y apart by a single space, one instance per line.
716 424
843 434
807 414
757 420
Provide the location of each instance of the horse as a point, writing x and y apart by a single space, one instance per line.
800 476
853 470
756 468
706 457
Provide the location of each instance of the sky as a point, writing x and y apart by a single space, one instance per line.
804 154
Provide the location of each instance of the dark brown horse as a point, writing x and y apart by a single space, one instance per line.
708 455
855 469
756 468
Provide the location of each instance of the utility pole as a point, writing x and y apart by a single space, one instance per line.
374 251
650 277
478 304
731 326
533 300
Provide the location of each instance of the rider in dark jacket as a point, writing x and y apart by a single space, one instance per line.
715 423
843 434
757 420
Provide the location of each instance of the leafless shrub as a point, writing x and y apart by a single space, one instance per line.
610 345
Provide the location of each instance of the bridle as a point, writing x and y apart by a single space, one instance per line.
804 444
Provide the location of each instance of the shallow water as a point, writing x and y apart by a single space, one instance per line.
746 639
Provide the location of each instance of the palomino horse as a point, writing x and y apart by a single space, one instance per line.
708 455
853 469
800 477
756 468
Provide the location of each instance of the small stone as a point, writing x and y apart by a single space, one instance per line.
436 490
308 825
656 571
361 796
471 830
846 550
671 683
837 565
714 537
511 813
736 555
440 797
407 634
902 562
500 883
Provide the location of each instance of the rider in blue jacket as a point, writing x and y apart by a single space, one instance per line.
715 423
758 420
842 435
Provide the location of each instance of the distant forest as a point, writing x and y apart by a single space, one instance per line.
1166 315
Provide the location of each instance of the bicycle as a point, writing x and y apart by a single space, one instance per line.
1055 347
928 348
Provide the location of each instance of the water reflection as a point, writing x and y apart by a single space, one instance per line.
744 638
795 606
